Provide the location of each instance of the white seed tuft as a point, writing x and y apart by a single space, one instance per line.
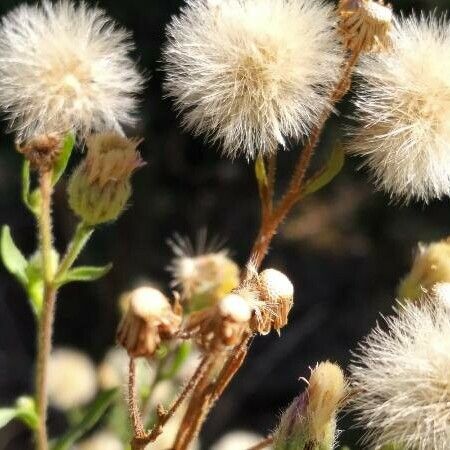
65 67
400 377
403 111
251 73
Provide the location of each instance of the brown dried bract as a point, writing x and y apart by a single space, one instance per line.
42 151
149 320
222 325
276 295
365 25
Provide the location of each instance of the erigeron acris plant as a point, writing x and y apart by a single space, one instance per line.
252 77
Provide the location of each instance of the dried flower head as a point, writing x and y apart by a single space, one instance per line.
204 275
42 151
400 378
249 73
72 379
222 325
431 265
149 320
65 67
403 110
310 420
270 295
366 25
100 187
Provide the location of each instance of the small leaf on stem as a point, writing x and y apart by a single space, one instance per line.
24 410
84 274
332 168
12 257
66 151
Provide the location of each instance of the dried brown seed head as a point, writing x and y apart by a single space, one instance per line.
365 25
276 293
222 325
149 320
42 151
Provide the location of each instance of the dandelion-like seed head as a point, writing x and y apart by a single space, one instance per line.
65 67
250 73
403 110
400 377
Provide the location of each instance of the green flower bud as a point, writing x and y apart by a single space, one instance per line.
309 423
99 188
431 266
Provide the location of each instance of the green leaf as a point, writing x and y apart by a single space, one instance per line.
6 415
63 160
12 257
94 413
332 168
31 199
84 273
25 411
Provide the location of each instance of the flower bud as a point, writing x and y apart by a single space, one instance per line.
310 420
203 279
431 266
149 320
222 325
42 151
100 187
365 25
277 293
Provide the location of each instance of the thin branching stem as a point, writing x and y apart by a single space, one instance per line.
142 438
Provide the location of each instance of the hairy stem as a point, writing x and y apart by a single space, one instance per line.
141 438
271 222
45 324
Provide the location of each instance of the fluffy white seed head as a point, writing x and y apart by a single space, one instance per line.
65 67
403 109
72 379
249 73
401 379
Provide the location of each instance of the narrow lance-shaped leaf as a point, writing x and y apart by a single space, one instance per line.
94 413
66 151
260 172
12 257
332 168
84 274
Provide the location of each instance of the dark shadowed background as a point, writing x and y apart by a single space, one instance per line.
345 249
